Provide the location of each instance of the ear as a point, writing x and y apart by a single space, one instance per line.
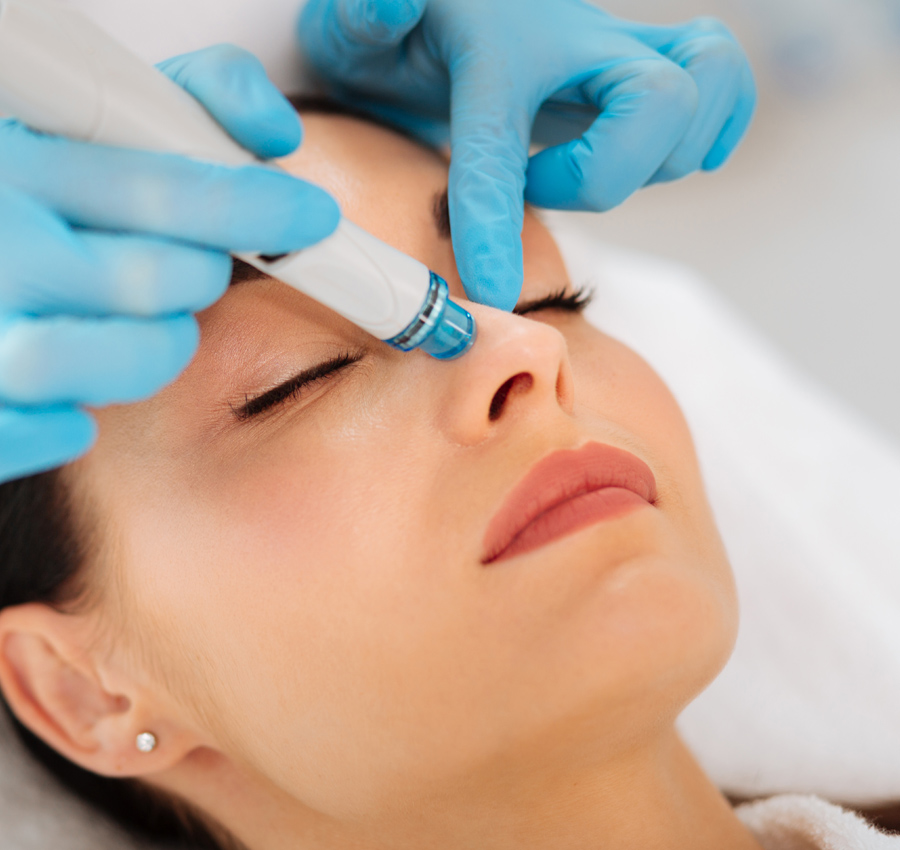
65 691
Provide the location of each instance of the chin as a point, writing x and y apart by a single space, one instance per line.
649 637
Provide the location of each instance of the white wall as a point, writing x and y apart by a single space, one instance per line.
802 229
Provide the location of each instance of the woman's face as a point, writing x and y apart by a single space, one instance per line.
308 583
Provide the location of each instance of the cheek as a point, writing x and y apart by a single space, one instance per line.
616 384
288 531
301 577
612 379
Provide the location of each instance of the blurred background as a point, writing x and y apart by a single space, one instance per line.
800 230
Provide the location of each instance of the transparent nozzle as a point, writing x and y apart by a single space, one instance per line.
453 335
442 329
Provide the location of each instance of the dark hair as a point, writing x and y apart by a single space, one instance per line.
41 555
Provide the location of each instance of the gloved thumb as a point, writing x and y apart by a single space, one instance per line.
234 87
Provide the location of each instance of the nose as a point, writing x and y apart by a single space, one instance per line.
518 367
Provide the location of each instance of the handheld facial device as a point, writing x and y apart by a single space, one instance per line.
61 74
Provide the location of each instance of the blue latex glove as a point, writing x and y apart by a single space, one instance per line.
670 100
98 277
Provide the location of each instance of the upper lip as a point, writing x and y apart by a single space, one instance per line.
559 477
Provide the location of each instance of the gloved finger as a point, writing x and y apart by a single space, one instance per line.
716 63
489 154
49 268
646 105
144 277
234 87
232 209
72 360
669 40
736 126
343 35
37 439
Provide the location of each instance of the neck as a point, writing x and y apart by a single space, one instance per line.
656 797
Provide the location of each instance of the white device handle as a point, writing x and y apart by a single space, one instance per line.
61 74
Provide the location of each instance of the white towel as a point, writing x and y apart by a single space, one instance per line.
796 822
808 499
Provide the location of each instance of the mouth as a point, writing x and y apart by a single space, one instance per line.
565 492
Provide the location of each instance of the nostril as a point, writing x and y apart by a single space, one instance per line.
520 383
499 400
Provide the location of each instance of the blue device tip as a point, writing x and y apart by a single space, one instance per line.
453 335
442 329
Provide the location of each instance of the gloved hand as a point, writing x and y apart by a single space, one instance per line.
671 100
105 253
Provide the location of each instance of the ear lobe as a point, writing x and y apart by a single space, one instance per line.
55 689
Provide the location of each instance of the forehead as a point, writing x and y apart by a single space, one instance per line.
375 174
384 182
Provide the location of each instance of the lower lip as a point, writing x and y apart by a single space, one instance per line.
572 515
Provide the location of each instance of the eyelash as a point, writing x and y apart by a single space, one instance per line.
294 388
570 302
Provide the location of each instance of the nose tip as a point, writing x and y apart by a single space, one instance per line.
518 366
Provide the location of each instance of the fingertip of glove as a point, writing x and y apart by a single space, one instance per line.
233 85
500 291
210 278
185 336
277 124
161 358
177 340
278 213
716 158
43 438
81 433
552 178
318 218
490 265
73 432
269 126
278 131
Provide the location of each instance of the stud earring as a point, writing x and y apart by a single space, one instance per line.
146 742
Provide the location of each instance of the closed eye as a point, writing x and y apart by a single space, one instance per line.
294 387
568 301
574 301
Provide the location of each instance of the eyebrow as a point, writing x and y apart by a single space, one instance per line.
242 272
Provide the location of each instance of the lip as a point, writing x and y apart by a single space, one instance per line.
564 492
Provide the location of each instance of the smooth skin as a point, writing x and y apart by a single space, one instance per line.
295 604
